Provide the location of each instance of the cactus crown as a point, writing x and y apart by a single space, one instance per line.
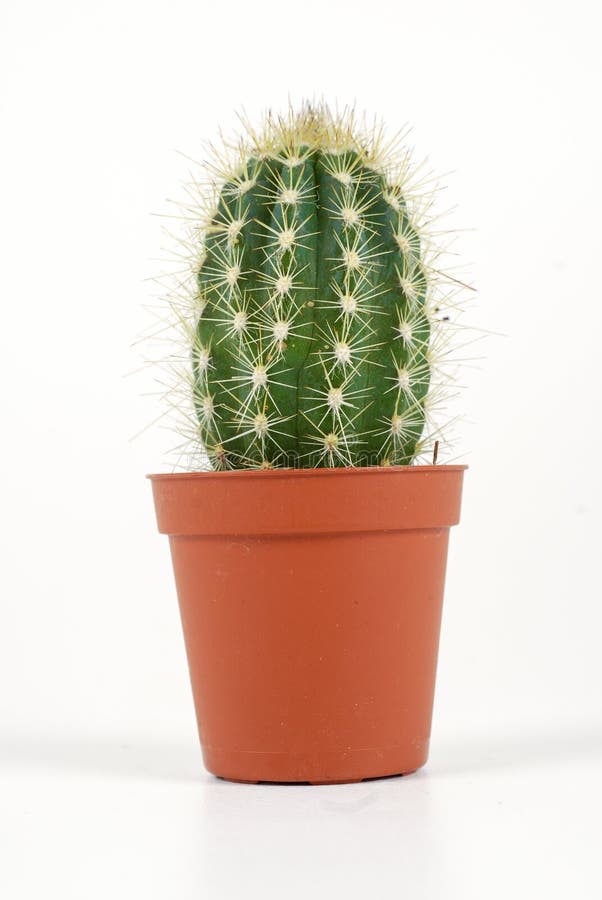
314 317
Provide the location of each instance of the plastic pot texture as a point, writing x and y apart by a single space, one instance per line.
311 607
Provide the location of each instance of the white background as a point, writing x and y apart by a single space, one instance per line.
102 788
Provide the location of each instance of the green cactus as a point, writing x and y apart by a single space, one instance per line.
312 339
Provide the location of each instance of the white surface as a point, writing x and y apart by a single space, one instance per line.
101 792
491 818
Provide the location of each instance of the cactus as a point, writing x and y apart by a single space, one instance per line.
316 308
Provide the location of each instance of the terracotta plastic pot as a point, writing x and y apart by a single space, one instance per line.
311 605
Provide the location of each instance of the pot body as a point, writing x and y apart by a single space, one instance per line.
311 607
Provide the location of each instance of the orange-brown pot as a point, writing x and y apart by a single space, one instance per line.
311 605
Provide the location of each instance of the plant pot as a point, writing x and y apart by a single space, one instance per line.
311 606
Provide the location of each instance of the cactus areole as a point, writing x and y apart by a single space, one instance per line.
314 316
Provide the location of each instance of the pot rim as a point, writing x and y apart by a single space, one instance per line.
308 501
318 472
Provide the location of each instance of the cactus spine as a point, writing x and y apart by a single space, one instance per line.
312 332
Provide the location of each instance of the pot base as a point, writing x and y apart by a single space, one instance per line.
346 767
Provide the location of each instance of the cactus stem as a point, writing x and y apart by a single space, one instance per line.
309 292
